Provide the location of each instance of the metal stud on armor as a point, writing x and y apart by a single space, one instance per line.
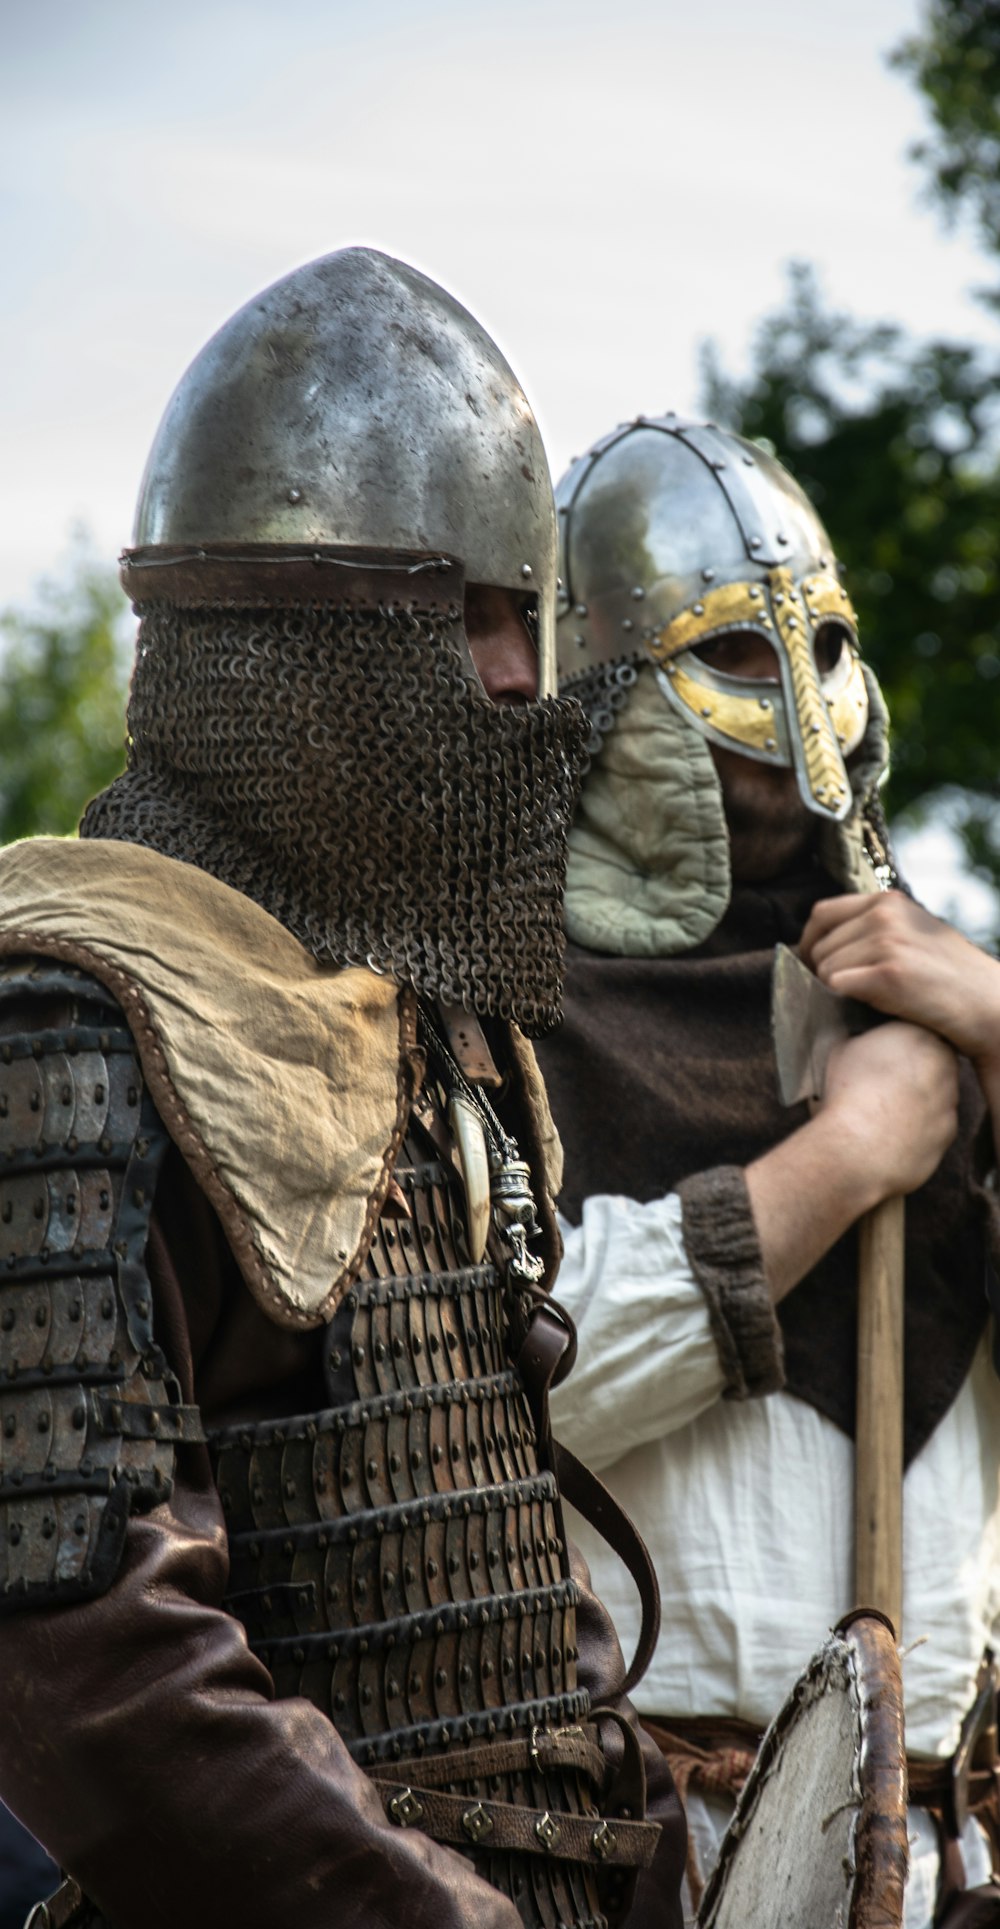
400 1560
89 1413
674 533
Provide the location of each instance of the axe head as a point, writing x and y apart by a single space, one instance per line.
807 1020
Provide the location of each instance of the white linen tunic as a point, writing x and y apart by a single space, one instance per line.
747 1507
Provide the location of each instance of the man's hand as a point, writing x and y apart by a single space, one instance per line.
887 951
891 1101
888 1114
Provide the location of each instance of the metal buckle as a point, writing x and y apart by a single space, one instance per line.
604 1842
405 1808
477 1823
548 1831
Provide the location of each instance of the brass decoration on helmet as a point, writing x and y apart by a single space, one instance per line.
749 715
675 533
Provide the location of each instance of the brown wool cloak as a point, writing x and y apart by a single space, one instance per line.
664 1068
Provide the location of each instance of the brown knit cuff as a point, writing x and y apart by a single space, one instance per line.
721 1242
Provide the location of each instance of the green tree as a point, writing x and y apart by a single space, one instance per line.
892 441
955 62
62 698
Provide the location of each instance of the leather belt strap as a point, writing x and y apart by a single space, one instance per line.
707 1744
591 1498
544 1360
545 1748
529 1831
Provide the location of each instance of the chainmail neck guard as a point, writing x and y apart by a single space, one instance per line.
338 767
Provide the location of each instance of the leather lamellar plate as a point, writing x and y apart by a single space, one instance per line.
89 1413
400 1560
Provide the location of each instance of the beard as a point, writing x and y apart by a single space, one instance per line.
770 827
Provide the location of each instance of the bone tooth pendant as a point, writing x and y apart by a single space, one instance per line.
470 1139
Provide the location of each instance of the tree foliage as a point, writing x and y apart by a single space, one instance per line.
955 63
892 441
62 699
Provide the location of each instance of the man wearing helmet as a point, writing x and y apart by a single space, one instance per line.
738 740
291 1632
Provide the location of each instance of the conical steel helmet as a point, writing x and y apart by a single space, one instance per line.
673 533
352 416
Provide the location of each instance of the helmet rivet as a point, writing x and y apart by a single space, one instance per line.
820 792
708 576
638 594
769 743
754 593
755 542
718 465
706 712
578 640
765 703
628 624
782 539
779 599
815 728
581 609
749 462
525 569
295 495
699 609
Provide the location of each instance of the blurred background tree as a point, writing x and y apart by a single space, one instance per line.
956 65
897 443
894 444
63 676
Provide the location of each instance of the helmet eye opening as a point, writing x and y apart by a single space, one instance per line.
739 654
830 646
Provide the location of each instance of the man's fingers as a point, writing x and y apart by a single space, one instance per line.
852 944
828 917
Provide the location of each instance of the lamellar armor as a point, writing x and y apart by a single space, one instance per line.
398 1556
91 1414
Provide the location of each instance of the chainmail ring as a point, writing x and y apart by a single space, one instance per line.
338 767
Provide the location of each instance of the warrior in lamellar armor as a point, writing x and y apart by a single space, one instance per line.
292 1631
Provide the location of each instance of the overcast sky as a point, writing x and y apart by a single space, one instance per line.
603 185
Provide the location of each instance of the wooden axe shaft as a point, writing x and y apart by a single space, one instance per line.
878 1479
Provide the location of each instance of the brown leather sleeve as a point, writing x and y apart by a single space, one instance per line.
140 1742
657 1900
